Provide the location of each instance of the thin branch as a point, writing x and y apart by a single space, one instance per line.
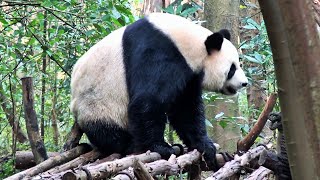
72 26
19 4
248 141
44 47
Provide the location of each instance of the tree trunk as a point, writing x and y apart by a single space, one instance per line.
43 81
37 146
54 112
295 46
150 6
223 14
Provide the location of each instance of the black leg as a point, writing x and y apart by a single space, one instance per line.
147 121
107 137
187 118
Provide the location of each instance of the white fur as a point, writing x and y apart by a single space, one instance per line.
190 38
98 83
98 80
187 36
217 66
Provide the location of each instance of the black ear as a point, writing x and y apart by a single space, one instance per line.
226 33
214 42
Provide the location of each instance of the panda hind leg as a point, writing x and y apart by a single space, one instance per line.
108 138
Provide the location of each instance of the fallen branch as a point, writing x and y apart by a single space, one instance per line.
81 160
171 167
259 174
25 159
51 162
235 165
245 144
108 169
140 171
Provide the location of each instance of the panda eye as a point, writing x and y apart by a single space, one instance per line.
231 71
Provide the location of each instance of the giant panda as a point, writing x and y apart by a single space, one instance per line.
128 85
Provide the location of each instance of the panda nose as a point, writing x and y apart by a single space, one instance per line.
244 84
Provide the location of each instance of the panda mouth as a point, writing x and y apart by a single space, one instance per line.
231 90
228 90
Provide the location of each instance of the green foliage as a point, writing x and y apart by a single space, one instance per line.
59 31
182 9
7 168
257 50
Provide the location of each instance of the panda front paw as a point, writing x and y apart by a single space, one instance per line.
164 149
208 151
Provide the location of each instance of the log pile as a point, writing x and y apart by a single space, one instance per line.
81 162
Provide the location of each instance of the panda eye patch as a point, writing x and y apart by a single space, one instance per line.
231 71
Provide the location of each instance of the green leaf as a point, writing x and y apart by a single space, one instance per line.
189 11
251 59
223 123
169 9
115 13
4 22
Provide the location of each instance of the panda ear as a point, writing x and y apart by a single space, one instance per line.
214 42
226 33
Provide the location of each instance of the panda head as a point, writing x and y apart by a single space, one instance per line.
222 71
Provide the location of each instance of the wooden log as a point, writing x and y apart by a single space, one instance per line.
140 171
51 162
79 161
245 144
173 166
37 146
261 173
235 165
108 169
127 174
25 159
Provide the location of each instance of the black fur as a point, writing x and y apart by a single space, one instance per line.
160 82
214 42
232 71
226 34
108 138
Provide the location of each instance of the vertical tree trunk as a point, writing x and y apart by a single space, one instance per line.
220 14
150 6
37 146
54 112
295 46
43 81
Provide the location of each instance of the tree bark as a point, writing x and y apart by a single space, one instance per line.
51 162
54 112
259 174
235 165
151 6
43 80
295 46
37 146
25 159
